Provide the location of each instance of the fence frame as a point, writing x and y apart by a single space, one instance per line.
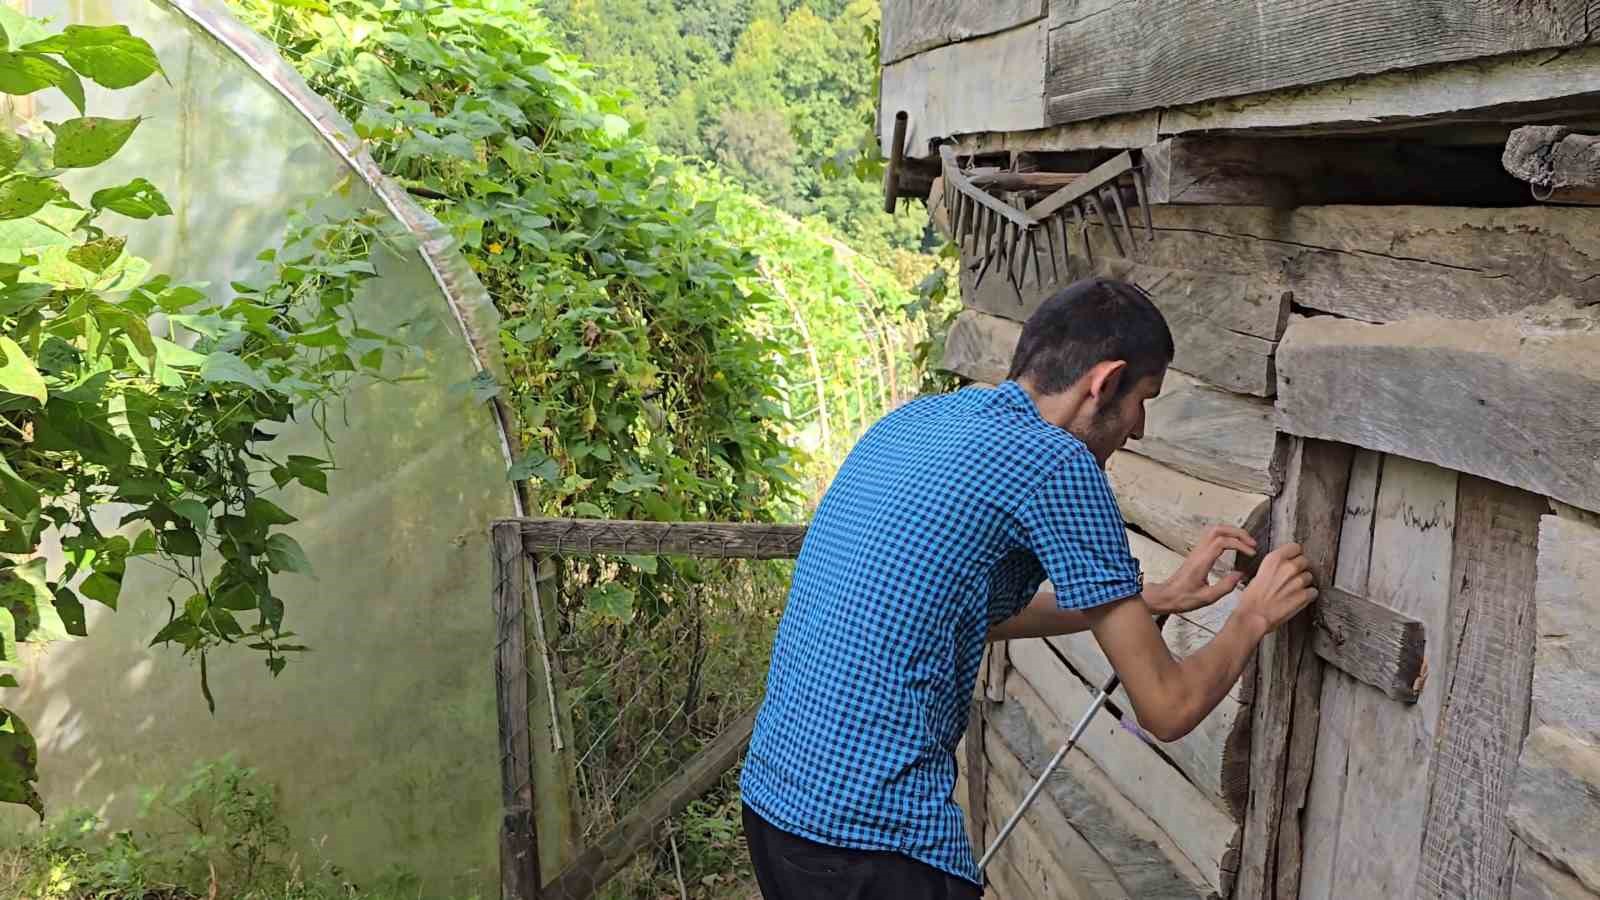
538 830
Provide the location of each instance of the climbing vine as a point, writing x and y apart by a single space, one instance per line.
137 411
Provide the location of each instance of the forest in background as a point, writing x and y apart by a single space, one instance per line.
781 95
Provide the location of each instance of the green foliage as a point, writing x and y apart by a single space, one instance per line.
128 394
217 834
781 96
641 392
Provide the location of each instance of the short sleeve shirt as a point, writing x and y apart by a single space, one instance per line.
945 519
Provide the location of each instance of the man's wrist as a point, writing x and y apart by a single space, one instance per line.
1156 595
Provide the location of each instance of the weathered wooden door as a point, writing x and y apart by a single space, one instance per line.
1409 799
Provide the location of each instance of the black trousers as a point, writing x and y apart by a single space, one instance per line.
789 867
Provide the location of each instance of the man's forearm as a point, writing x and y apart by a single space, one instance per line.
1203 678
1040 618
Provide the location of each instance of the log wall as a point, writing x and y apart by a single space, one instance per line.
1411 390
1458 347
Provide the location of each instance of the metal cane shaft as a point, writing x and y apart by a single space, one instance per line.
1049 767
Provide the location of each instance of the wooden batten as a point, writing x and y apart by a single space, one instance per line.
1204 833
1109 57
1555 803
1566 669
1501 399
1139 853
1288 172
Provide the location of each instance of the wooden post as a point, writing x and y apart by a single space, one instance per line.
554 764
1310 512
519 840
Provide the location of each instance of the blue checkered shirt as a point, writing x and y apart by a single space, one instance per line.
944 520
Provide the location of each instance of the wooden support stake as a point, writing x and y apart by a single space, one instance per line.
519 843
1310 511
897 158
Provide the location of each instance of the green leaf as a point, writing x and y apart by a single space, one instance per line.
9 680
181 542
19 763
227 368
103 588
535 465
23 195
179 629
18 375
109 55
285 555
90 140
11 149
98 255
198 513
263 514
145 544
309 471
587 510
138 199
645 564
26 73
70 609
239 597
611 600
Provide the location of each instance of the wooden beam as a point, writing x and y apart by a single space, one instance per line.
1310 511
554 762
913 26
1466 847
1288 172
1212 434
1031 852
1555 803
1002 86
1383 264
613 850
1462 395
1109 57
1054 834
1534 878
1140 854
1202 831
732 540
1178 509
1225 326
519 844
1390 745
1370 642
1566 669
1562 167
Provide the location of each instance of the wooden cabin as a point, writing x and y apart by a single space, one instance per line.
1368 226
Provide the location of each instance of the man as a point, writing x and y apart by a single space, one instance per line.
934 537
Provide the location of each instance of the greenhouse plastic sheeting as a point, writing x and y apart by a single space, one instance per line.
381 740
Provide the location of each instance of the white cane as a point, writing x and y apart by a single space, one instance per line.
1050 767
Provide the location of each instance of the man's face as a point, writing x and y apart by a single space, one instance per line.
1110 427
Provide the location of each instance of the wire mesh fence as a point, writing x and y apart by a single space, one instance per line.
631 657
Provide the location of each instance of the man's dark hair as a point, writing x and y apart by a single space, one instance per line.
1089 322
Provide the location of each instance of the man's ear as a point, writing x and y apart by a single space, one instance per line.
1105 379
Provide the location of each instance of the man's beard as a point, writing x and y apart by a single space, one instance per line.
1105 435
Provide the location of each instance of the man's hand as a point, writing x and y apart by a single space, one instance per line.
1190 588
1280 589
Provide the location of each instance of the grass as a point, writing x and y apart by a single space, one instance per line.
218 835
